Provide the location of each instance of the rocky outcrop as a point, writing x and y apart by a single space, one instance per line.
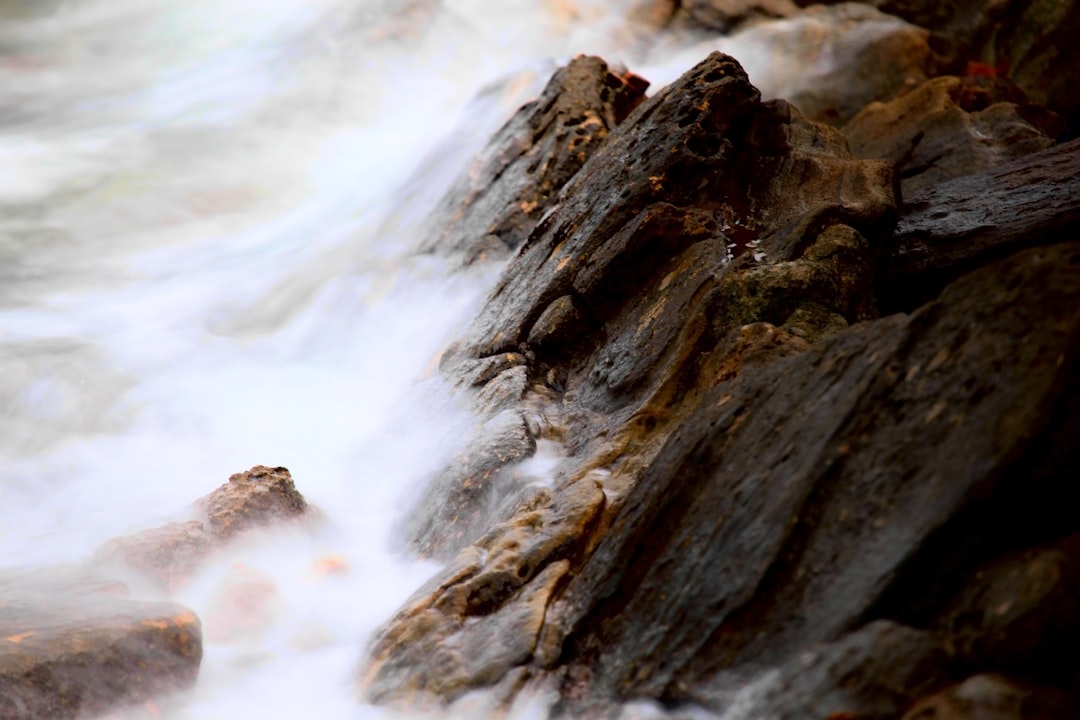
492 208
74 651
168 555
949 127
724 202
768 494
760 542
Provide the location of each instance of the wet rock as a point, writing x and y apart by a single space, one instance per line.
993 697
746 540
946 128
482 615
731 211
870 674
517 178
257 498
67 653
754 463
252 499
460 503
1020 614
708 175
947 230
616 298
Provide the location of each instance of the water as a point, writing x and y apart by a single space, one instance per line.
205 222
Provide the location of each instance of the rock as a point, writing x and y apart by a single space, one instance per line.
256 498
831 61
724 16
946 128
66 652
168 555
993 697
754 464
870 674
482 615
492 208
746 540
459 504
947 230
1020 614
725 200
1031 43
731 209
698 165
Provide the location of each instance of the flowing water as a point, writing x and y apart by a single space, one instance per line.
206 217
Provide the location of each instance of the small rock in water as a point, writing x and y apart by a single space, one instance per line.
169 555
65 653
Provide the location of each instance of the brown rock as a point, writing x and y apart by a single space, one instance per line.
482 615
168 555
945 128
66 654
252 499
759 223
617 298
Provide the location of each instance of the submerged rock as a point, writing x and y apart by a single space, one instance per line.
68 652
168 555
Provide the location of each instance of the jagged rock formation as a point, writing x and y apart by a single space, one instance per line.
492 208
773 502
